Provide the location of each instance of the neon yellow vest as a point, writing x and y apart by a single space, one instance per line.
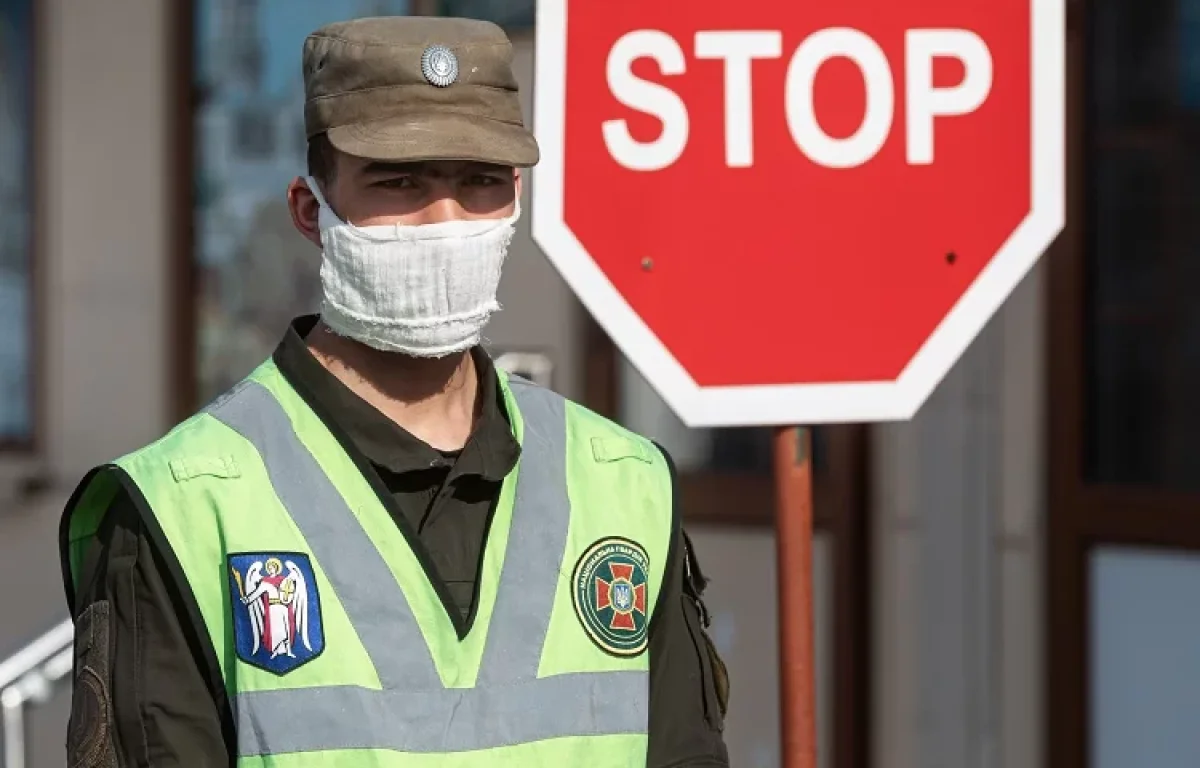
335 647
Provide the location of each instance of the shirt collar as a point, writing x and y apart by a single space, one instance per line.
490 452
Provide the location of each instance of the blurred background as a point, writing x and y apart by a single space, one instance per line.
1010 580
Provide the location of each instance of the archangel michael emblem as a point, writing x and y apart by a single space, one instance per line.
276 610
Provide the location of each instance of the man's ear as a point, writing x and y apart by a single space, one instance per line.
518 179
303 206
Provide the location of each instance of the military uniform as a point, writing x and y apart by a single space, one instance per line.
235 584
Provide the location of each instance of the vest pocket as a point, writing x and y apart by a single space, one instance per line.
90 728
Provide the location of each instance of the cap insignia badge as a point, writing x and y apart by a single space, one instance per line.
439 65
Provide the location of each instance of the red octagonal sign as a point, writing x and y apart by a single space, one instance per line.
797 212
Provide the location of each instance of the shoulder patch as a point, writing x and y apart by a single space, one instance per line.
609 587
276 610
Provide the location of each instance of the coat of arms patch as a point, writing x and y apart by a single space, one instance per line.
609 592
276 610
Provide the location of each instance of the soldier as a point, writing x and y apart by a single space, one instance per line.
378 549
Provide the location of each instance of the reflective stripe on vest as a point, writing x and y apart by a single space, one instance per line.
414 712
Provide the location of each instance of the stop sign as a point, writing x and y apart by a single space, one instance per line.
790 212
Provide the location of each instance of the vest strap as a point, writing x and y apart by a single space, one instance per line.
449 720
414 712
365 586
537 539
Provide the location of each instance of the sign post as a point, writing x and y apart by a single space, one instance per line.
793 543
719 173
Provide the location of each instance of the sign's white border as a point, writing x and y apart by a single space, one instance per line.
802 403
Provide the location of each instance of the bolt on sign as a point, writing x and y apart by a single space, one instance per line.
797 213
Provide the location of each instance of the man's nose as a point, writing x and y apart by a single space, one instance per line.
444 207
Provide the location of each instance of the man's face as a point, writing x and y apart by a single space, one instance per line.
365 192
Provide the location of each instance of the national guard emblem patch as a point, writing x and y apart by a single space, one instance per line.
609 591
276 610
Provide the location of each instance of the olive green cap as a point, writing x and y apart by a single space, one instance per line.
411 88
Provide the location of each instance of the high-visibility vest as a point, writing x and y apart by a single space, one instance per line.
335 647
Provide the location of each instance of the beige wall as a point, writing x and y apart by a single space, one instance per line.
106 251
104 261
958 534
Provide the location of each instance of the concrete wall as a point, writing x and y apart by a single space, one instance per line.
958 539
106 237
103 260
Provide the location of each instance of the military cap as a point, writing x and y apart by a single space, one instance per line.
410 88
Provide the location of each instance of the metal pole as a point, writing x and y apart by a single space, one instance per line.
793 505
14 729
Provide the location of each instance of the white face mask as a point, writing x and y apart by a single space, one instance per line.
423 290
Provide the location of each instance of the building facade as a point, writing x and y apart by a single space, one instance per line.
1003 582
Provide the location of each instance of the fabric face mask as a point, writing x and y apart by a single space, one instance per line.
422 290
